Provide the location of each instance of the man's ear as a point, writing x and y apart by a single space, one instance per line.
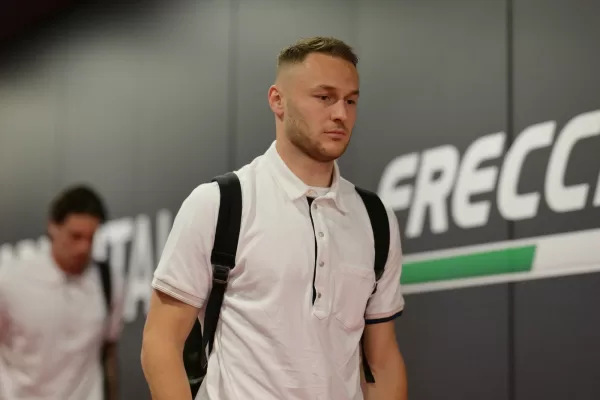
52 229
276 101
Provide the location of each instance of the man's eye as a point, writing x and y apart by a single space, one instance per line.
323 97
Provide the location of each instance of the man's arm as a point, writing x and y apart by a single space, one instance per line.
110 366
386 363
182 281
168 325
381 349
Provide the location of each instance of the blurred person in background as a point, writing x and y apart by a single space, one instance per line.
60 315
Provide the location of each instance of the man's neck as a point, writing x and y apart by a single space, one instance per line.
60 265
311 172
56 260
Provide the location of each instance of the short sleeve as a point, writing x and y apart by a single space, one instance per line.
184 270
387 302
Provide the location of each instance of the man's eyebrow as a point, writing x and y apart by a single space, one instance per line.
331 88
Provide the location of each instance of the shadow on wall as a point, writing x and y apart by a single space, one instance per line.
24 23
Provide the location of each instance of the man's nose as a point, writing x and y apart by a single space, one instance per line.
340 113
85 247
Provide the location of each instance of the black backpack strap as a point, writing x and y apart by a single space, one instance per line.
381 228
105 278
224 250
381 236
223 260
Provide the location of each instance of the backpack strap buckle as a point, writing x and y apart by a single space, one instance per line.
220 274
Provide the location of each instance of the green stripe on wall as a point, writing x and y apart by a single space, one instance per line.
518 259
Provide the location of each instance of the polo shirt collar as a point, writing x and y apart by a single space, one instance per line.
294 187
52 272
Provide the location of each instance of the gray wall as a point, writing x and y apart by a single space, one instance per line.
148 102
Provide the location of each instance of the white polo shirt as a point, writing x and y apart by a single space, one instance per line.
272 342
51 331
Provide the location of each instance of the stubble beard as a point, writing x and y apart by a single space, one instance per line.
297 132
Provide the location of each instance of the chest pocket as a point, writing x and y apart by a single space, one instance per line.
353 286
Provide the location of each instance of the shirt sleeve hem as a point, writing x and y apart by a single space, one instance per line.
383 317
177 294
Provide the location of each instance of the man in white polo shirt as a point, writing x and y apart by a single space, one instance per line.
57 334
301 293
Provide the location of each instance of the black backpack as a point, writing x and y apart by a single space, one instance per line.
198 344
105 277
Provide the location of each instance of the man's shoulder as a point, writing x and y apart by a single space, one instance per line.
208 193
203 202
350 189
346 186
20 269
203 197
117 279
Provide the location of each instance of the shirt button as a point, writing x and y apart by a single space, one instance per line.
321 234
321 264
315 206
318 295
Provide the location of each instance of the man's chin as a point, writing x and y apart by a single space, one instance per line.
324 151
332 151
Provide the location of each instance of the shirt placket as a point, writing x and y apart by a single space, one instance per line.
71 307
323 295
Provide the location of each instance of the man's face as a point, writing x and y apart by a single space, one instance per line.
320 106
72 241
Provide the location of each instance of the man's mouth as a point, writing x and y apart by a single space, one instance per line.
336 132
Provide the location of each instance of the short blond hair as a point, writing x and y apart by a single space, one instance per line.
297 52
